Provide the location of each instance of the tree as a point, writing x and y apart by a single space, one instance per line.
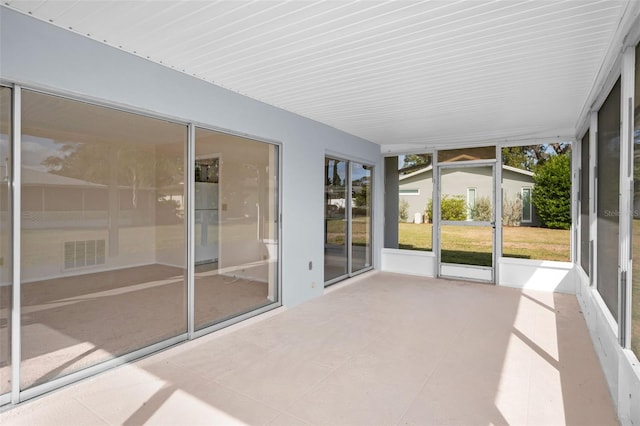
403 211
122 164
552 192
416 160
483 210
521 157
361 198
531 156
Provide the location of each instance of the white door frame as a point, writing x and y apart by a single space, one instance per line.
464 271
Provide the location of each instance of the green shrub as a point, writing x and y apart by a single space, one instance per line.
512 211
552 192
452 208
482 211
403 210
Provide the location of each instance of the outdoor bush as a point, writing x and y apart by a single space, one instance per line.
452 207
403 210
552 192
512 211
482 211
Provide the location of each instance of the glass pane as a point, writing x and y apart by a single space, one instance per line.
415 189
584 205
103 234
466 245
6 260
536 201
360 217
455 186
470 245
335 219
526 204
236 226
471 203
635 289
467 154
608 188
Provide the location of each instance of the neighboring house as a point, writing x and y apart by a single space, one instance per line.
472 183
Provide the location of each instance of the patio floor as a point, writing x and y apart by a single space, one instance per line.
386 349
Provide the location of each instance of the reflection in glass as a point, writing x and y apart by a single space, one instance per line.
584 205
635 289
6 260
415 191
236 226
608 188
103 234
360 217
335 219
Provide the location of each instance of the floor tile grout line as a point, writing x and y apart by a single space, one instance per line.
324 379
435 367
91 410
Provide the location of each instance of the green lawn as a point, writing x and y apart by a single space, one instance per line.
472 245
336 230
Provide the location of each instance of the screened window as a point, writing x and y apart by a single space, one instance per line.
536 201
608 187
584 205
467 154
408 215
413 191
635 289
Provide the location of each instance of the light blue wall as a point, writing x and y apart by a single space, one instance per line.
40 55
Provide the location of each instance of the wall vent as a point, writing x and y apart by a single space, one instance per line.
78 254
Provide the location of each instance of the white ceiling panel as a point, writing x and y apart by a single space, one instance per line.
404 73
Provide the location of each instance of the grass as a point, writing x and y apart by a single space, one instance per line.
472 245
336 231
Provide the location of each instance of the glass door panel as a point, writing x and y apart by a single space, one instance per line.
102 235
6 260
236 226
467 222
335 220
360 217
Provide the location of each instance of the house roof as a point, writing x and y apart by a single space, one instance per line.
504 167
38 178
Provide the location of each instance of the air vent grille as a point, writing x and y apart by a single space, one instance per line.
78 254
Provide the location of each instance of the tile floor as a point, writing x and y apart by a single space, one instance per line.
388 349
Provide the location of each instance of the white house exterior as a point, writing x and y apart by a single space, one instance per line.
471 183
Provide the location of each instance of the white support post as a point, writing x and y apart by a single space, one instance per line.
626 196
189 237
593 201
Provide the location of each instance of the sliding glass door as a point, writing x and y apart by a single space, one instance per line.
103 235
135 233
347 224
6 249
235 227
